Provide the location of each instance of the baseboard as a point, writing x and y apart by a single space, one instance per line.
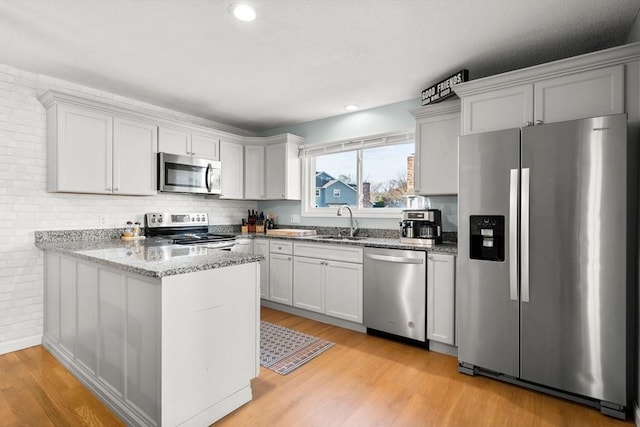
20 344
318 317
443 348
637 414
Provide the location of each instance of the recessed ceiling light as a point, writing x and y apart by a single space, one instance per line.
243 12
351 107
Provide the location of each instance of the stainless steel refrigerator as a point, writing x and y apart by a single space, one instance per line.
542 268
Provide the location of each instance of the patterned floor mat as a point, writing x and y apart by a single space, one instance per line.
282 350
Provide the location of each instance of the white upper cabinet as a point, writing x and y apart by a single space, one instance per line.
79 150
507 108
134 155
232 164
579 96
254 166
283 168
436 156
98 148
93 151
205 147
574 88
186 143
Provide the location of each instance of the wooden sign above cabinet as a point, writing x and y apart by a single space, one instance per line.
442 90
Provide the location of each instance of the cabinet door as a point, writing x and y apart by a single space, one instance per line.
441 298
308 283
261 247
276 177
344 287
436 169
581 95
205 147
84 151
174 141
231 158
253 172
500 109
280 278
135 147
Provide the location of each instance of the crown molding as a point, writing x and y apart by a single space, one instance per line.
590 61
446 107
52 97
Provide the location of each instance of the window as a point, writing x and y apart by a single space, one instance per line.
372 176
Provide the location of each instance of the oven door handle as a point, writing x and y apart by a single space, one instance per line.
219 245
207 177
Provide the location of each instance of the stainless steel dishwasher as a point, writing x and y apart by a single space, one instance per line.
395 292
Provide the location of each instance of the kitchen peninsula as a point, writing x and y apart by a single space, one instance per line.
164 335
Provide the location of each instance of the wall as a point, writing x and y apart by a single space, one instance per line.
25 206
383 119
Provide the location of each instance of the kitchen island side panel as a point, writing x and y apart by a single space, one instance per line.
210 339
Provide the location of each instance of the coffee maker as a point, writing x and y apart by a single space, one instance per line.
421 226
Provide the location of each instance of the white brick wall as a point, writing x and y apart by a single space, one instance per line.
25 206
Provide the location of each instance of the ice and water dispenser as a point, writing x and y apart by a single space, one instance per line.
487 237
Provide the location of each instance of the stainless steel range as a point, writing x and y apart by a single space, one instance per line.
185 229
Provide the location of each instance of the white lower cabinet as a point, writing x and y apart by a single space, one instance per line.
309 283
441 298
261 247
325 285
280 272
343 292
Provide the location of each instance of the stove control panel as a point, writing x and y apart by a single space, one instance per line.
165 219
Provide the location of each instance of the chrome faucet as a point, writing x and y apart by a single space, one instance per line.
352 229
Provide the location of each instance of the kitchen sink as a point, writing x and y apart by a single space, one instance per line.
341 238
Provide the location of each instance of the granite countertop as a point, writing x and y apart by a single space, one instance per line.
146 258
388 243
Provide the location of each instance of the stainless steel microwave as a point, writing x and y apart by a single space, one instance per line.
185 174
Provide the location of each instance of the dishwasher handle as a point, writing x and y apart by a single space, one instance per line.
396 259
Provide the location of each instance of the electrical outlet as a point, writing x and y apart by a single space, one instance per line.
102 220
295 219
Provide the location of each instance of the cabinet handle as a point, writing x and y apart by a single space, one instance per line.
527 124
116 189
107 189
430 256
539 122
289 258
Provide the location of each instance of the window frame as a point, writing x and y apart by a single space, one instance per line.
309 172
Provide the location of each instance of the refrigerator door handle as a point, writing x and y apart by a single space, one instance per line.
513 235
524 236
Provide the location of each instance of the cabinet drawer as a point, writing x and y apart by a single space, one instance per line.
281 247
329 252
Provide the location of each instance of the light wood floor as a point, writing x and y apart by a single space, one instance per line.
362 381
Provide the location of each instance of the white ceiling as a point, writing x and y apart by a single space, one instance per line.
300 60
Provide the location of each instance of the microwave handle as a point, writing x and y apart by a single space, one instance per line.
207 177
